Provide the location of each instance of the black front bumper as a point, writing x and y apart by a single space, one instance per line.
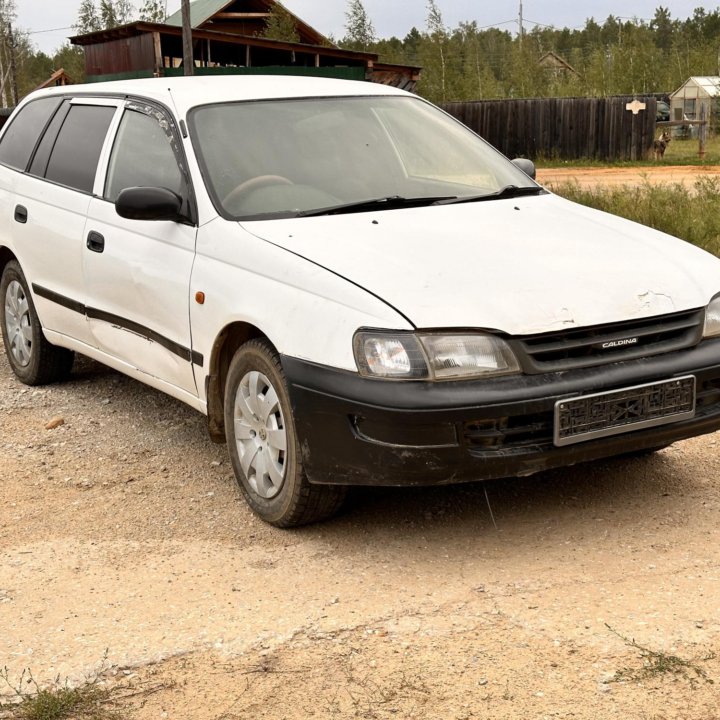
360 431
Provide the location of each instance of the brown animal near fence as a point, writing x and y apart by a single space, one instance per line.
660 145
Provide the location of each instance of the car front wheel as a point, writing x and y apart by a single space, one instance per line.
32 358
263 444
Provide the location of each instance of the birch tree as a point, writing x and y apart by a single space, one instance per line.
359 29
154 11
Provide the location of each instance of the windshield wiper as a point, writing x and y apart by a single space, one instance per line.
509 191
391 202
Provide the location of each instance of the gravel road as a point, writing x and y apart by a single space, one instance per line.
122 528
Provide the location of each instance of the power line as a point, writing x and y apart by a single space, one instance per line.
38 32
497 24
533 22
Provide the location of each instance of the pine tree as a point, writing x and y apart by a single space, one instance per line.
281 25
108 18
359 30
154 11
88 18
115 12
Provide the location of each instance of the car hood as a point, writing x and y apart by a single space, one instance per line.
520 266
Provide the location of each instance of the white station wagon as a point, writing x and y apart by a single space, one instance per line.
351 285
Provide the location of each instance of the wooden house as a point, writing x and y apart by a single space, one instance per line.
59 77
556 65
227 39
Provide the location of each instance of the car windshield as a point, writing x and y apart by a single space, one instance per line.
289 158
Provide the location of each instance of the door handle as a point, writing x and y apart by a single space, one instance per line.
95 241
21 214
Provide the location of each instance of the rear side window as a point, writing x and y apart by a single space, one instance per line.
39 163
22 135
74 159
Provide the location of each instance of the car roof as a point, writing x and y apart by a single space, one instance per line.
187 92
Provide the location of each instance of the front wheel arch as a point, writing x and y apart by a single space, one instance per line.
227 343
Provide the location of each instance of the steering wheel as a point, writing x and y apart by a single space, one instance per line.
252 184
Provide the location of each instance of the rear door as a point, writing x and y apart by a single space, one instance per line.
50 203
137 272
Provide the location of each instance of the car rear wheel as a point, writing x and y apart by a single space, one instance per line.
263 444
32 358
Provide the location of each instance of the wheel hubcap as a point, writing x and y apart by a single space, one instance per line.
260 435
17 323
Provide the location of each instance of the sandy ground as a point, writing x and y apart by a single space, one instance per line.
123 529
590 177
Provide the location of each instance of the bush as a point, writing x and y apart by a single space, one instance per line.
692 214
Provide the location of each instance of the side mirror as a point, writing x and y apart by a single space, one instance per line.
527 166
149 203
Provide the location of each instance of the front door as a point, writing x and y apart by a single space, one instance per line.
137 272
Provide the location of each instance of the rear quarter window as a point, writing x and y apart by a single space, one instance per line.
24 131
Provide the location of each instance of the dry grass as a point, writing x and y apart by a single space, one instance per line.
96 698
692 214
656 663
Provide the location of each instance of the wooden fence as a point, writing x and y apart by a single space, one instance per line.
563 128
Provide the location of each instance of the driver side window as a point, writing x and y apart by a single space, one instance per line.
142 157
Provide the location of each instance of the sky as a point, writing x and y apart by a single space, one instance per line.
390 17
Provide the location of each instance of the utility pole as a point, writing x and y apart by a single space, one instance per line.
13 64
520 24
188 62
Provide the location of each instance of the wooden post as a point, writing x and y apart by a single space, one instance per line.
157 50
702 131
188 61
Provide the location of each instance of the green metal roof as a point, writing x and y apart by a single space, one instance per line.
200 12
203 11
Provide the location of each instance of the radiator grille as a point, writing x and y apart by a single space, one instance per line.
586 347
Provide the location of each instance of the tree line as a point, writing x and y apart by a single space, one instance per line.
467 62
617 56
23 67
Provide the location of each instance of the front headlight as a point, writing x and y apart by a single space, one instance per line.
396 356
712 319
431 356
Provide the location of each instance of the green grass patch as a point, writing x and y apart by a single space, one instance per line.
90 700
678 152
97 697
690 213
656 663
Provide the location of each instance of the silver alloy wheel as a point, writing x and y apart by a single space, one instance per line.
260 434
18 325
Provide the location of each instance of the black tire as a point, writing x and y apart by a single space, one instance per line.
274 484
32 358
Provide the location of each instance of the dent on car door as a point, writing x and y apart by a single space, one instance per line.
51 200
137 272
